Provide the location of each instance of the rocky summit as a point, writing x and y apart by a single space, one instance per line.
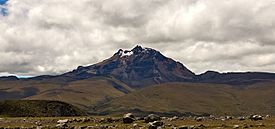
138 67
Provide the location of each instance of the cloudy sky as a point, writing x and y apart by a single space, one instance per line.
53 36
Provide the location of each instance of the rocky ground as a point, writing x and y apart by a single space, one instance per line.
129 121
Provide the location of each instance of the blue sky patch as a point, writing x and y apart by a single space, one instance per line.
3 1
3 11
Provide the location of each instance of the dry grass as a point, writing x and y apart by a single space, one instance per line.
82 93
200 98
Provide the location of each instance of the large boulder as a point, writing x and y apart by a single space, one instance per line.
128 118
151 118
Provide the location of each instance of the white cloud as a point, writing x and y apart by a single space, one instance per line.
6 74
54 36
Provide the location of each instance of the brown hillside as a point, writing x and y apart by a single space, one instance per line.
198 98
82 93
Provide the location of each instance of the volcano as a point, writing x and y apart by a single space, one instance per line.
137 68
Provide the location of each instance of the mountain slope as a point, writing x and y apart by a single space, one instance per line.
82 93
197 98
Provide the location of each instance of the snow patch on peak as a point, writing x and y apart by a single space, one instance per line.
126 53
136 50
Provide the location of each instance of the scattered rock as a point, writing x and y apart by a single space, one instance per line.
168 125
183 127
90 127
63 121
155 124
163 118
38 123
260 125
128 118
241 118
85 120
173 118
236 126
256 117
151 118
199 118
39 127
135 125
228 117
212 117
62 126
223 119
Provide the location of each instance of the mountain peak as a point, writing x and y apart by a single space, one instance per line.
135 51
138 67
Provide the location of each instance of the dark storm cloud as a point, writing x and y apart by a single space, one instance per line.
51 37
